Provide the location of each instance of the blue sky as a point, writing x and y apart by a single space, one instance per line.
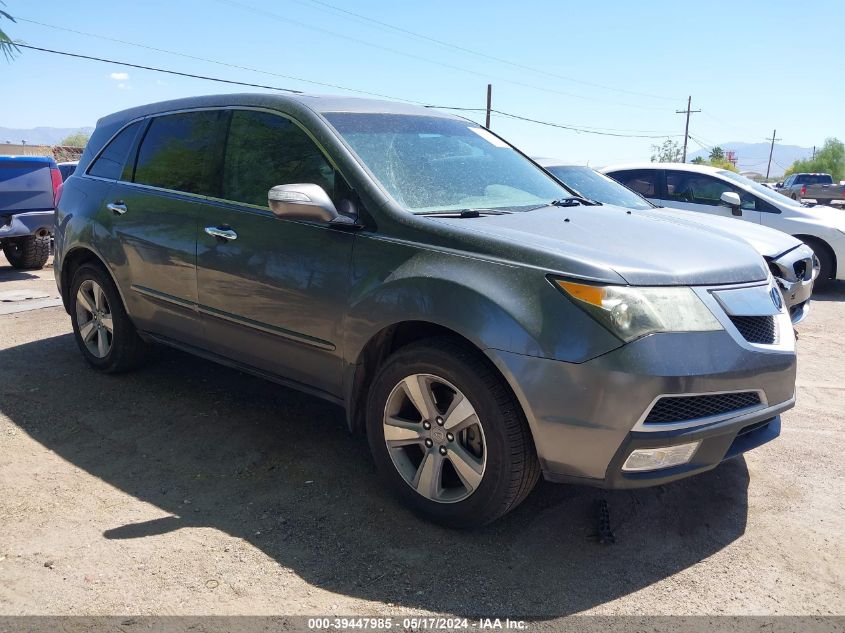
750 66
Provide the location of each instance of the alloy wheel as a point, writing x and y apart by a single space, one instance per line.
435 438
94 318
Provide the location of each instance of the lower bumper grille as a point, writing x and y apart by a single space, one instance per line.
684 408
756 329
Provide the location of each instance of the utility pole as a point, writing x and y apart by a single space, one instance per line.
771 151
688 111
489 103
814 152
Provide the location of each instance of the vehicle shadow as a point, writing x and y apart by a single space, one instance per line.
279 470
7 273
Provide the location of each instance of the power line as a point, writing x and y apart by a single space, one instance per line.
486 76
158 70
464 49
217 62
252 85
580 128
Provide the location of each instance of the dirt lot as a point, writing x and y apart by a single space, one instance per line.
188 488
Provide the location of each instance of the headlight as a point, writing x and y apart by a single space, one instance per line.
631 312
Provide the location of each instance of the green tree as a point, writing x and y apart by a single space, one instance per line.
6 44
717 154
698 160
830 159
75 140
723 164
667 152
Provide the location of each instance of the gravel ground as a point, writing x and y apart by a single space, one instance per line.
188 488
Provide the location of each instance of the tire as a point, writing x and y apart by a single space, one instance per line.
499 449
28 253
826 261
114 346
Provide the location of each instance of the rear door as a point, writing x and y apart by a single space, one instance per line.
155 210
274 293
702 192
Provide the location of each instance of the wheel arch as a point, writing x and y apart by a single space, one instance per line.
381 345
811 240
72 261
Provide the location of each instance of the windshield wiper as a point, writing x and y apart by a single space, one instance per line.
572 201
463 213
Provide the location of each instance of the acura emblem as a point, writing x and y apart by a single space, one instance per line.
776 298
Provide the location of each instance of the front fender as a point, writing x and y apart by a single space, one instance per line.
493 304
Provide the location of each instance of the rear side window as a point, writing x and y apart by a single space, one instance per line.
176 152
643 181
264 150
111 162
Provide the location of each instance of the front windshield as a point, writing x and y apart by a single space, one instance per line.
596 186
431 164
756 187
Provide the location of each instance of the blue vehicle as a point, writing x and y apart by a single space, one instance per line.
30 187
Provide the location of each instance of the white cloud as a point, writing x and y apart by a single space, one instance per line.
119 76
124 86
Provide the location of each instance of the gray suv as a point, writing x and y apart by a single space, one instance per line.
472 315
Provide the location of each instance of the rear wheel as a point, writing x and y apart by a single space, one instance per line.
105 335
448 436
29 252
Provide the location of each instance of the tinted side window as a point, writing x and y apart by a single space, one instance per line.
643 181
176 152
110 163
265 150
684 186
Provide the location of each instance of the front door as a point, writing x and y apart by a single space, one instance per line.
272 292
702 192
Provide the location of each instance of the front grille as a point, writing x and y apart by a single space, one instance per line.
683 408
756 329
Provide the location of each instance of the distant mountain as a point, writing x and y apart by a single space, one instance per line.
39 135
754 156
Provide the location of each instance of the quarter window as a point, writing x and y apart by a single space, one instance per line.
265 150
176 152
643 181
110 164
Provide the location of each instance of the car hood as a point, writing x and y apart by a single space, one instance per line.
770 243
611 244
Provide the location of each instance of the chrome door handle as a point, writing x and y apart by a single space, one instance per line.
223 233
118 208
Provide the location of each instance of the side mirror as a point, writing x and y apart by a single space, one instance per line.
301 202
778 185
731 199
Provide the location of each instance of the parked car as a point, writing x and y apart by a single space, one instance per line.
67 169
710 190
30 187
478 320
790 260
818 187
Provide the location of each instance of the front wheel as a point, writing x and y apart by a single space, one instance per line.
448 436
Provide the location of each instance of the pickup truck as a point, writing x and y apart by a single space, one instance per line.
30 187
818 187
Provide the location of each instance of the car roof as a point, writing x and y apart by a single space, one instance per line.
701 169
317 103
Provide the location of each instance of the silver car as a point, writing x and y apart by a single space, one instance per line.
791 261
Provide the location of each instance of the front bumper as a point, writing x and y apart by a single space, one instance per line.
587 418
30 223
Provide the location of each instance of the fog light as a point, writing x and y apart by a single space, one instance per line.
655 458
